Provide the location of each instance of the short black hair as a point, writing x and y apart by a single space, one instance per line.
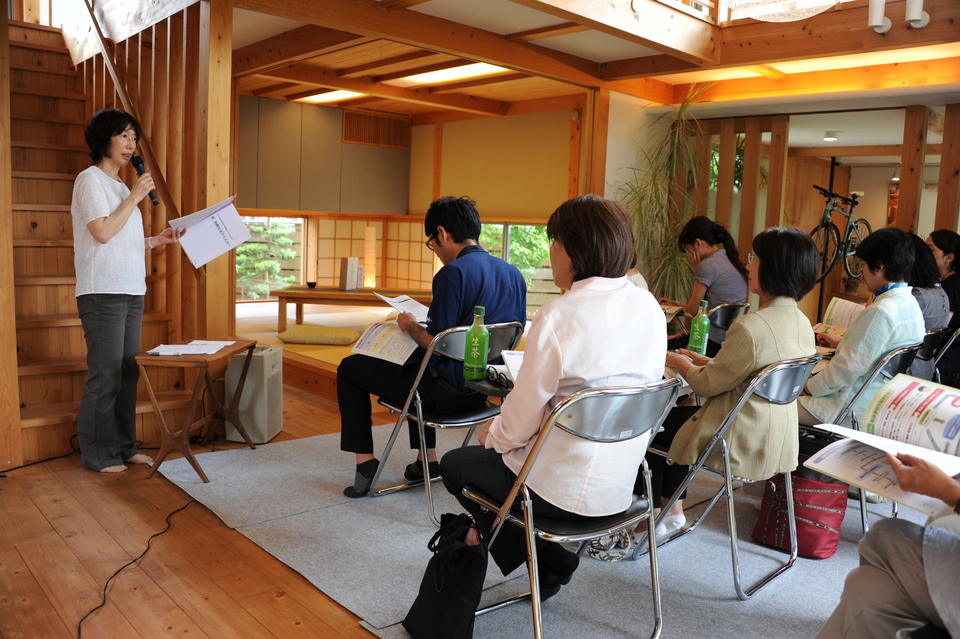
458 215
105 124
924 273
789 262
949 242
596 234
890 248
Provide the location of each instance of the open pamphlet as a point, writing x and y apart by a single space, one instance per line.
385 341
211 232
512 360
406 304
671 311
839 316
908 415
196 347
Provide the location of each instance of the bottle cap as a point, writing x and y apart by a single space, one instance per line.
704 303
479 310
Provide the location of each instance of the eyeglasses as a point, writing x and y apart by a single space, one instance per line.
751 257
429 242
498 379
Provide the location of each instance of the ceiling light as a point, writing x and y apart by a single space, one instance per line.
896 174
448 75
330 96
829 136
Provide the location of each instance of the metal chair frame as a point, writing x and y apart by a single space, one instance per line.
449 343
723 315
607 415
890 365
779 383
943 349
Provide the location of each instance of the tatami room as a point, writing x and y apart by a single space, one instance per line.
318 117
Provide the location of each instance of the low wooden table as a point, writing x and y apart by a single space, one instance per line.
301 295
180 440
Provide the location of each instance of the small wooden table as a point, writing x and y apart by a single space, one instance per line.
301 295
180 440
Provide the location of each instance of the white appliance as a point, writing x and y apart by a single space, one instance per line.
261 404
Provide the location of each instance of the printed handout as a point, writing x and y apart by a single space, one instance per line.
406 304
385 341
211 232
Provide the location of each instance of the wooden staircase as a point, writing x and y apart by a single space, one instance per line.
50 108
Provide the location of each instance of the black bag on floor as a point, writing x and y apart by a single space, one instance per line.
451 586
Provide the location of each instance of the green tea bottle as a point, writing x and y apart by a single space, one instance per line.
475 351
699 330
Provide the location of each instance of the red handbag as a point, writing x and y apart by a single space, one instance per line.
819 508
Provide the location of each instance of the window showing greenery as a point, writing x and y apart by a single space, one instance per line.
270 258
527 248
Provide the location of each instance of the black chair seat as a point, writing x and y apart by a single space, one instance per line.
457 420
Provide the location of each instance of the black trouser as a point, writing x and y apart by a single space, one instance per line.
950 378
666 478
677 343
359 376
483 469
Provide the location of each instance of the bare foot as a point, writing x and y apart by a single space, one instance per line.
140 458
113 469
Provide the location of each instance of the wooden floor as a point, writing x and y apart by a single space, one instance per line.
64 530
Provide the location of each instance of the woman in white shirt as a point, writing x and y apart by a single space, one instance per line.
109 262
604 332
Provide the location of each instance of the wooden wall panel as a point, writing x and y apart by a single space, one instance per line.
915 124
948 191
750 185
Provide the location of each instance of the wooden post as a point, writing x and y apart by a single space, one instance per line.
174 167
948 190
573 167
701 191
437 159
777 174
728 157
750 185
911 167
11 445
213 170
597 141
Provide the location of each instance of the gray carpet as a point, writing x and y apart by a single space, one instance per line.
369 554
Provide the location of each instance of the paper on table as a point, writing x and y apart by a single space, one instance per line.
196 347
512 360
385 341
211 232
406 304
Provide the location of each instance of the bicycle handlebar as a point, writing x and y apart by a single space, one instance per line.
852 200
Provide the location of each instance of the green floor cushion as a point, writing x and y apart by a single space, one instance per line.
302 334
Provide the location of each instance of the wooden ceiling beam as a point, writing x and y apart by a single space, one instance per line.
564 28
328 78
520 107
289 47
880 76
839 32
766 71
478 82
273 88
648 23
875 150
430 68
401 4
362 69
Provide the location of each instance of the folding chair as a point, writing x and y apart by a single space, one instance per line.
890 365
778 383
945 347
607 415
723 315
449 343
933 344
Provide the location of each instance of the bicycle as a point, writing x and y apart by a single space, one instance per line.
827 236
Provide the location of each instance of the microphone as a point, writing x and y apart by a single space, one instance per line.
137 163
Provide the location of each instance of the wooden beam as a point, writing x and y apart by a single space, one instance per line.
856 151
833 33
911 167
273 88
478 82
520 107
306 94
216 292
329 79
948 190
564 28
362 69
648 23
766 71
430 68
11 443
401 4
880 76
292 46
777 169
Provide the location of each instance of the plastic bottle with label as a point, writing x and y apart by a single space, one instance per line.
475 350
699 330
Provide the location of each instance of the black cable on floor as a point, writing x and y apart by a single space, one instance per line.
127 565
40 461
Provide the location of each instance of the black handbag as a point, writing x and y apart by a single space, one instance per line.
450 590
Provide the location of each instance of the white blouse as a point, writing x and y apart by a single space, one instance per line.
117 266
604 332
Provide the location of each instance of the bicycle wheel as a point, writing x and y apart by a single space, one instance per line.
851 263
827 238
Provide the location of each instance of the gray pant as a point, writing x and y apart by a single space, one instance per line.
887 595
107 423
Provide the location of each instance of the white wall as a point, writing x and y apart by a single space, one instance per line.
630 126
874 182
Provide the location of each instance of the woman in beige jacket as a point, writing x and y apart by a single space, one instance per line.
763 440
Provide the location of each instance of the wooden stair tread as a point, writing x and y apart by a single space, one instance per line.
45 69
55 119
44 280
23 44
42 365
42 175
44 243
46 208
52 414
56 320
52 146
47 93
